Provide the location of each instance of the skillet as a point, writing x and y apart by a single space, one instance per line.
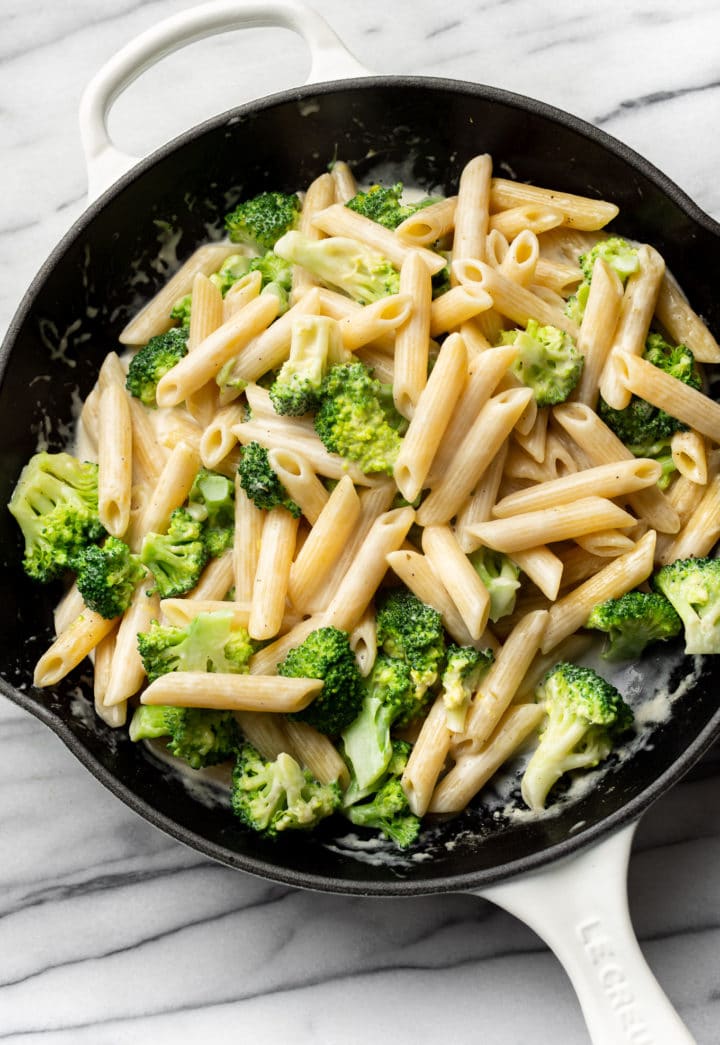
425 130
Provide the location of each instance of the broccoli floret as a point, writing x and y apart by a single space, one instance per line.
200 736
176 558
152 361
342 263
231 270
211 501
640 425
315 346
693 587
210 642
585 713
548 361
326 654
107 576
260 482
263 219
55 503
271 797
182 310
632 621
464 668
500 575
388 812
413 631
384 205
618 254
351 419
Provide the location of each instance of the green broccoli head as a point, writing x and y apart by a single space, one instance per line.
693 588
199 736
211 501
263 219
274 270
352 421
585 713
182 310
547 361
231 270
633 621
176 558
500 575
152 361
55 503
210 642
271 797
107 576
615 252
412 631
326 654
342 263
384 205
388 812
315 346
464 668
261 483
640 425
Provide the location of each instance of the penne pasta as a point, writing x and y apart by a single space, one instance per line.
203 689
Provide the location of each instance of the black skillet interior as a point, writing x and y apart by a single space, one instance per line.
423 131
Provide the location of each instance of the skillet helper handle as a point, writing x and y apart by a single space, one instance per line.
579 907
330 60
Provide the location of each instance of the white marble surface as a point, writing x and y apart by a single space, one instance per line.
111 933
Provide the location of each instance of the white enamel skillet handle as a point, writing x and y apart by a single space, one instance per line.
330 60
579 905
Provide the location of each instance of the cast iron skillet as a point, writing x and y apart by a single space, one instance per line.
423 130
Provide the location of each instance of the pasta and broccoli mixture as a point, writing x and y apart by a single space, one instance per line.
360 482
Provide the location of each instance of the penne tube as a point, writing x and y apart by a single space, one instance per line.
320 194
149 456
216 579
701 531
241 294
116 716
689 456
431 417
534 441
382 366
229 692
413 336
543 567
605 544
170 491
608 480
284 434
456 306
329 535
532 217
206 316
339 220
688 405
511 300
620 576
266 732
472 212
684 325
363 642
338 306
547 525
427 758
363 577
177 426
478 507
72 645
317 753
579 212
597 330
475 768
459 577
277 547
154 318
127 672
521 258
301 482
479 446
181 611
114 459
428 224
70 607
416 573
374 321
209 357
556 275
218 438
344 181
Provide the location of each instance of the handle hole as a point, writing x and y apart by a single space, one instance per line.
203 79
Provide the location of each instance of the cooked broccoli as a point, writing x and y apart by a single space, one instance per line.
211 501
276 276
153 360
107 576
342 263
618 254
55 503
384 204
260 482
326 654
352 421
176 558
464 668
200 736
231 270
315 346
500 575
387 809
271 797
693 587
548 361
632 621
585 713
640 425
210 642
182 310
263 219
413 631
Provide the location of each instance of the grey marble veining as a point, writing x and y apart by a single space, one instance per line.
112 933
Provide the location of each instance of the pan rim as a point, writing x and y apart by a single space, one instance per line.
461 882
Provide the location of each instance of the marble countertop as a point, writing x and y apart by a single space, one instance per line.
111 933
